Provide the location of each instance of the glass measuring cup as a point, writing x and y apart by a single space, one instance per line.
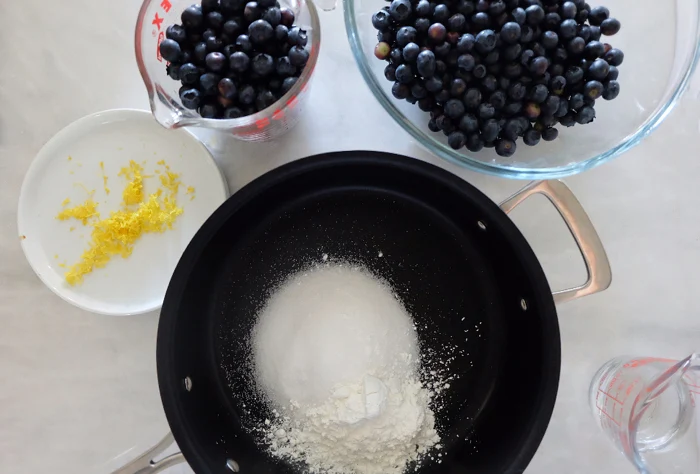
649 408
163 92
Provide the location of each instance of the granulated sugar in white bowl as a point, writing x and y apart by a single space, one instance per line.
337 356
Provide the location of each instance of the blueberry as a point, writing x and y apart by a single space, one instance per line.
612 90
498 99
474 143
563 108
390 72
404 74
595 33
468 123
252 12
535 15
189 73
505 147
456 22
426 104
410 52
568 10
267 3
193 18
479 71
232 28
288 83
246 94
527 34
445 124
539 94
382 50
550 40
582 16
208 83
519 15
486 111
396 56
539 65
437 32
598 15
298 56
576 46
511 52
227 88
456 140
593 89
532 111
466 62
472 98
210 5
550 105
432 126
284 67
433 84
486 41
216 62
613 74
273 16
173 71
421 25
190 98
568 120
568 29
489 83
400 10
229 7
239 61
233 113
425 63
557 85
170 50
287 17
199 54
441 13
264 99
405 35
297 37
209 111
260 31
281 33
454 108
598 70
244 44
614 57
585 115
490 130
538 49
215 20
574 75
594 50
512 108
585 33
531 137
517 91
481 20
511 129
381 20
576 101
526 56
442 96
552 21
176 33
423 8
263 64
550 134
418 91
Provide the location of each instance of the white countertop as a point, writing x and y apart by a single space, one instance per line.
78 392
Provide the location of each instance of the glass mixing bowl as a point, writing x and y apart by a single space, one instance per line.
660 41
156 15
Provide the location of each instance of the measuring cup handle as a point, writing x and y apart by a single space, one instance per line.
144 464
581 228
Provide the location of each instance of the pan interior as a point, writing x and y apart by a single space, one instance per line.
450 261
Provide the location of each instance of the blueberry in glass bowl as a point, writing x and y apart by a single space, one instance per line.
549 88
238 66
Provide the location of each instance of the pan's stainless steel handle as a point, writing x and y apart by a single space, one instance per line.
145 464
581 228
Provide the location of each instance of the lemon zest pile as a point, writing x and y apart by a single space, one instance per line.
104 177
117 234
83 212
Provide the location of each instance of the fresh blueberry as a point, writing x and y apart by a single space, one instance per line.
215 20
613 74
598 70
551 21
539 65
189 73
432 125
382 20
456 140
595 33
568 29
563 108
190 98
298 56
576 101
281 33
232 28
176 33
433 84
216 62
511 129
246 94
173 71
260 31
550 105
612 90
568 10
486 111
454 108
404 74
531 137
594 50
284 67
593 89
396 56
585 115
170 50
489 129
472 98
539 94
441 13
410 52
418 91
557 85
425 63
400 91
498 99
233 113
479 71
466 62
535 15
209 111
423 8
481 20
297 37
442 49
287 17
614 57
193 18
199 54
210 5
512 52
574 75
400 10
227 88
468 123
262 64
264 99
208 83
511 32
489 83
576 46
456 22
436 32
442 96
239 61
252 12
422 25
405 35
229 7
486 41
505 147
532 111
519 15
244 44
287 84
273 16
390 72
475 143
550 40
598 15
517 91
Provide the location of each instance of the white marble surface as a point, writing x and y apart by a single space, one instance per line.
78 392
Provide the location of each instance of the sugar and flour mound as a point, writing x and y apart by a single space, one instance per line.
337 355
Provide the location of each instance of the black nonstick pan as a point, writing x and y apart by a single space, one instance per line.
449 252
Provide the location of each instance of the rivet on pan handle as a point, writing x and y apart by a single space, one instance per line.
145 464
581 228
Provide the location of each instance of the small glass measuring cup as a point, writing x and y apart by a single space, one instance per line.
649 409
163 92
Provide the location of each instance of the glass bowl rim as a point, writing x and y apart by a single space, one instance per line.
443 151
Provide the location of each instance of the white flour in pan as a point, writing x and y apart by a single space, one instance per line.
337 356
